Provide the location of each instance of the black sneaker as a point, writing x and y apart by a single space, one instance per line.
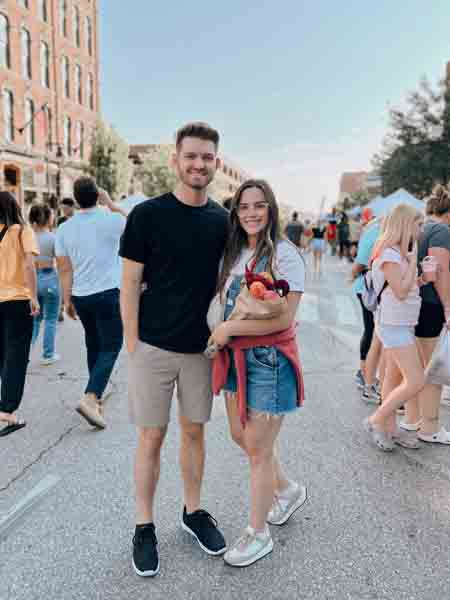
203 527
145 553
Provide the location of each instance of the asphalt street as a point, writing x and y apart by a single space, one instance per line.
376 526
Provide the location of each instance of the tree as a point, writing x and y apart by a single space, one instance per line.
155 174
109 163
416 152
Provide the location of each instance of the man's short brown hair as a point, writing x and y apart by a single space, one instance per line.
198 129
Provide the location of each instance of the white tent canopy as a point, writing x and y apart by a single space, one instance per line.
382 206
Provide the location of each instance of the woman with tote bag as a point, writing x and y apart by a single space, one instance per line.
18 305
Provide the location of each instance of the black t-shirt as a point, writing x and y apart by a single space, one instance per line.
318 233
180 247
294 231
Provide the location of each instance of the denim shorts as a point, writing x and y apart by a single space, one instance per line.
395 336
271 381
318 245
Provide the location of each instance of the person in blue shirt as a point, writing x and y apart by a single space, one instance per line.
363 378
87 251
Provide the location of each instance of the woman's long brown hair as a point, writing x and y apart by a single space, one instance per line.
238 240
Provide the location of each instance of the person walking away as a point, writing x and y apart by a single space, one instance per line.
355 230
359 268
343 233
49 296
68 211
332 235
294 230
318 245
18 306
89 267
424 415
173 244
394 271
271 376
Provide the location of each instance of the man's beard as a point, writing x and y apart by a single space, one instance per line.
197 187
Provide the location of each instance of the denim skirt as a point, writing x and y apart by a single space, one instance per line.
271 381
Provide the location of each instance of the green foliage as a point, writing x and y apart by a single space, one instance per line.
416 153
109 162
155 174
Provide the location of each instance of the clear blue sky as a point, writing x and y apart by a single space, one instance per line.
299 90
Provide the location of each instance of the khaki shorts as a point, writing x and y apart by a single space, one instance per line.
152 375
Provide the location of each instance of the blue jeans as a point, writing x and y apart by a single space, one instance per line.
49 297
100 316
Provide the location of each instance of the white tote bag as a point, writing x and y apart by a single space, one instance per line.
438 369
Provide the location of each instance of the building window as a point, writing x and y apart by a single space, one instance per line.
48 127
8 115
45 65
43 13
78 84
26 53
76 26
67 136
29 123
90 92
89 35
80 139
24 3
63 17
65 76
5 59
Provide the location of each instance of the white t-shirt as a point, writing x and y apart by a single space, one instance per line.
391 310
288 265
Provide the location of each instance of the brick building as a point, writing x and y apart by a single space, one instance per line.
49 81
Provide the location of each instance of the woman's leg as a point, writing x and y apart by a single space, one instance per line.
281 482
409 362
430 396
51 311
260 434
367 336
391 380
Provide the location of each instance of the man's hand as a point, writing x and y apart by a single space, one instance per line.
70 311
104 199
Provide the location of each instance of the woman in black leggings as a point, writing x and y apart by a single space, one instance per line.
18 305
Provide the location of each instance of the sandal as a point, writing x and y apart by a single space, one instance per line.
11 427
380 438
401 438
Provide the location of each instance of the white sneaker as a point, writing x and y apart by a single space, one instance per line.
51 360
410 426
285 505
440 437
249 548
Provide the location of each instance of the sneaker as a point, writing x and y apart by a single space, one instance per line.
286 504
370 395
51 360
440 437
410 426
145 552
92 412
203 527
359 379
249 548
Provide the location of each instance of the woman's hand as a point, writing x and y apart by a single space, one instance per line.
35 308
220 336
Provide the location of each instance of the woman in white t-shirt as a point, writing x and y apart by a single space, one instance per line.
274 385
394 270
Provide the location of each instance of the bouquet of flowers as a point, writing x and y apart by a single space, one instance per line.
261 297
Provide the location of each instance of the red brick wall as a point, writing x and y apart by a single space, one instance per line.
12 78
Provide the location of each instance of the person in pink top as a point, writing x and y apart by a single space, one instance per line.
263 375
394 270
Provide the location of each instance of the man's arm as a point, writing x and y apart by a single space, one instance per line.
105 200
130 293
31 281
65 271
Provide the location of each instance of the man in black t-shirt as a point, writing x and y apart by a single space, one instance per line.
172 246
294 230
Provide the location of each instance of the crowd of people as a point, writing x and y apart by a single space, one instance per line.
128 277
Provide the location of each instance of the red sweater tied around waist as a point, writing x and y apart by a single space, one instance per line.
284 341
